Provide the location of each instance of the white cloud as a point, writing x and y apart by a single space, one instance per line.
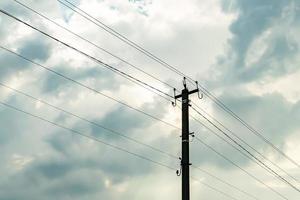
19 162
189 34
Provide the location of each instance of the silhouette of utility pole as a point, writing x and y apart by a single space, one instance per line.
185 159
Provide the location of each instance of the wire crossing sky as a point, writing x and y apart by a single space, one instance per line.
91 122
96 124
174 69
116 147
106 70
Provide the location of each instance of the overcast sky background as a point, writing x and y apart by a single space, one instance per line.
244 51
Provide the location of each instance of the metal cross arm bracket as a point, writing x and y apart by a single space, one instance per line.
190 92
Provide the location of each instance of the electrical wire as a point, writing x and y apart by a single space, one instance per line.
94 44
214 188
90 88
39 100
225 182
248 152
113 69
245 124
121 135
84 135
109 145
121 37
244 142
44 68
229 143
88 121
213 132
118 35
242 169
152 88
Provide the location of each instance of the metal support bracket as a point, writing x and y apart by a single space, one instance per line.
200 96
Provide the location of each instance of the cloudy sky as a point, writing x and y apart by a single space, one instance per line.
246 52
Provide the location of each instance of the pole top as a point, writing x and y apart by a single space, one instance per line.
184 82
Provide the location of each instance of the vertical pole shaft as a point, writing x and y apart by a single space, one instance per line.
185 162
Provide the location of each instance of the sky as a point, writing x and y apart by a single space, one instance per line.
245 52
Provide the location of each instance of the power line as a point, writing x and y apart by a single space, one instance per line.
108 29
185 164
113 69
90 88
248 152
244 142
86 136
242 169
109 145
243 153
121 37
89 121
244 123
237 149
47 69
214 188
94 44
225 182
230 144
121 135
126 39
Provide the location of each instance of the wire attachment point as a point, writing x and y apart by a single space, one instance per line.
184 82
200 96
178 172
193 136
174 103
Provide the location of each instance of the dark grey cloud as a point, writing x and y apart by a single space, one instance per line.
272 116
71 167
106 160
103 78
276 119
275 61
124 119
10 65
127 121
12 7
6 117
48 178
10 128
254 19
35 49
53 169
80 185
202 155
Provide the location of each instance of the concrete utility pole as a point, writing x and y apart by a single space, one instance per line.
185 159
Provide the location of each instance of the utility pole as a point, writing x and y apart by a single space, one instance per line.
185 159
